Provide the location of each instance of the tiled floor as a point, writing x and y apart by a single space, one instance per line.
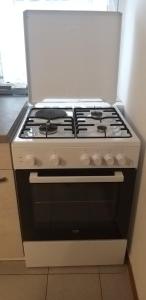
79 283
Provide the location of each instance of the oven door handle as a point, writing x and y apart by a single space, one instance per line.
117 177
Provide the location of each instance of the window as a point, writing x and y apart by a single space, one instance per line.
12 53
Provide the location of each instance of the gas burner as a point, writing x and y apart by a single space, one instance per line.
48 128
101 128
95 114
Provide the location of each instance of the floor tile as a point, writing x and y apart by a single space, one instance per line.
23 287
18 267
116 286
113 269
73 287
74 270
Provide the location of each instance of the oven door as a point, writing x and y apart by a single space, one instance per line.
72 204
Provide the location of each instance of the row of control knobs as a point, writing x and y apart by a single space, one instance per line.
87 160
108 159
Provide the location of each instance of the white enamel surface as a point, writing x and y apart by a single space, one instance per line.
70 152
72 54
30 160
74 253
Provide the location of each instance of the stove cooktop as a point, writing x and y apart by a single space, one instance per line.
90 122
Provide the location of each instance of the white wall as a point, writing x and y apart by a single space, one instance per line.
132 91
121 5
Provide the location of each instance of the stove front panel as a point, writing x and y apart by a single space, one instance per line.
60 154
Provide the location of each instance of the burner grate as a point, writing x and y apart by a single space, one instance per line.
37 126
91 121
74 123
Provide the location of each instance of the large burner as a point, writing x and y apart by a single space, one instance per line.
48 128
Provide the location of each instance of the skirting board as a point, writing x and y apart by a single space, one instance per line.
74 253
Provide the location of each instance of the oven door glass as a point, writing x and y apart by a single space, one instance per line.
72 207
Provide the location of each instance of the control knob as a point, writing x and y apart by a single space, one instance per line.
109 159
30 160
121 159
85 159
54 160
97 159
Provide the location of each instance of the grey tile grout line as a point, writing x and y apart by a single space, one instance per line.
86 273
74 273
100 286
46 287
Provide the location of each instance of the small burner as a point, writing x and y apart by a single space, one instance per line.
101 128
95 114
48 128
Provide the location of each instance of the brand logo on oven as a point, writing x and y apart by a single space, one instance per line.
75 231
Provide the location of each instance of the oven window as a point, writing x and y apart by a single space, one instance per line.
73 203
74 210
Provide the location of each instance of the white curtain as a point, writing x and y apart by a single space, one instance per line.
12 53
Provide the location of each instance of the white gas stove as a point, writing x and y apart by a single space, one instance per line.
75 160
75 167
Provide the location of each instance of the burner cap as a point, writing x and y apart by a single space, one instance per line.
48 128
96 114
101 128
